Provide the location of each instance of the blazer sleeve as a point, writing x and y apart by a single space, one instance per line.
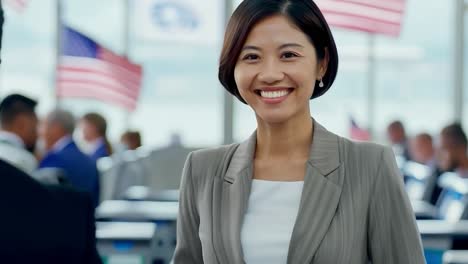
393 236
188 248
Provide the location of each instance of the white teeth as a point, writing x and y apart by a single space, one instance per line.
274 94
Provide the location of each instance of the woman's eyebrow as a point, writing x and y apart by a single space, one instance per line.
251 47
287 45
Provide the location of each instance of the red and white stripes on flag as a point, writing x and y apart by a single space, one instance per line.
107 81
373 16
17 5
88 70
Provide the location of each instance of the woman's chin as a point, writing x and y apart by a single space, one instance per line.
273 118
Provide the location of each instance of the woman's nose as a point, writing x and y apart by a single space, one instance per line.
270 72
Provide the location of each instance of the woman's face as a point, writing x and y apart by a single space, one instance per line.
277 69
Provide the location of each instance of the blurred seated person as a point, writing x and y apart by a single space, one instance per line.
94 130
131 140
452 154
397 136
18 131
43 224
452 157
421 149
63 153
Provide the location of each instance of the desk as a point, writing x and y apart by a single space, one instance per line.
137 211
164 214
121 242
143 193
438 234
424 210
456 257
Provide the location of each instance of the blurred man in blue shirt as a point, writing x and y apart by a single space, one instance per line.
63 153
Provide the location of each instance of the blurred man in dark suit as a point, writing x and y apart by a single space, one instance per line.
422 151
452 152
18 131
41 224
397 136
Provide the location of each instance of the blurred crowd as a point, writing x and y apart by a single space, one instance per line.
59 147
441 153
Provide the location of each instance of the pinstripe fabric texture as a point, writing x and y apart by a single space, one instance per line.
353 207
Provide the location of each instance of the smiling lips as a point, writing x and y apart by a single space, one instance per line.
273 95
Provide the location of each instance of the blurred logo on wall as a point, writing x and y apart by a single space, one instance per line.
174 16
183 21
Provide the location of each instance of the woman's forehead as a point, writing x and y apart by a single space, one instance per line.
275 30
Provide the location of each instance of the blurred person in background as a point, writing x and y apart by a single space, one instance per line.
18 131
131 140
63 153
452 154
94 131
397 136
293 192
43 224
422 150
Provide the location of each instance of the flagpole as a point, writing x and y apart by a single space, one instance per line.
458 56
58 49
126 50
228 126
371 84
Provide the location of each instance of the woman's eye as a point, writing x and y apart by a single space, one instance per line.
250 57
288 55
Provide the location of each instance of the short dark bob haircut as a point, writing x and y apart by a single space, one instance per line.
303 13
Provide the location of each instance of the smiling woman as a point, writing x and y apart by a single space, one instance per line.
315 30
293 192
278 63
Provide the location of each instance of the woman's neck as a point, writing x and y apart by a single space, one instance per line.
291 139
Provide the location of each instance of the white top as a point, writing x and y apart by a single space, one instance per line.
11 138
269 220
12 151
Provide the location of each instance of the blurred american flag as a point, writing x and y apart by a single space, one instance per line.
356 132
17 5
88 70
372 16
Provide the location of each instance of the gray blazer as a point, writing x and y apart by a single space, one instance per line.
353 207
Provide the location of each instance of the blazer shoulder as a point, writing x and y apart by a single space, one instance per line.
367 151
212 155
208 162
366 157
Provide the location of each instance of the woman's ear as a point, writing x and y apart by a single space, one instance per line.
323 64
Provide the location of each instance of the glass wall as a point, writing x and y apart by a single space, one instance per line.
465 75
417 85
180 92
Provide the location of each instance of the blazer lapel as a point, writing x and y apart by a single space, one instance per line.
319 200
320 196
235 196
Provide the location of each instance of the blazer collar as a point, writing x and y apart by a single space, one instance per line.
323 154
319 199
